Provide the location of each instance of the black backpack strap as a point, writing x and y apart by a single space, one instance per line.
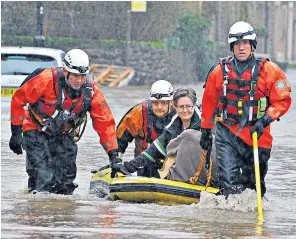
255 76
255 73
88 94
127 114
33 74
61 84
149 121
212 68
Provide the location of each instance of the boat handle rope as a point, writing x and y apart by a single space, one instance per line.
194 179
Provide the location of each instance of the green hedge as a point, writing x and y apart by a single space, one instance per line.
292 65
192 35
60 42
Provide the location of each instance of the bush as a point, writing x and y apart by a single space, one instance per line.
69 42
291 65
192 35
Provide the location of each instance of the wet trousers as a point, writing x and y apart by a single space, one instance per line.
50 162
236 163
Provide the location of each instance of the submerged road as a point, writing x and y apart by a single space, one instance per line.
84 215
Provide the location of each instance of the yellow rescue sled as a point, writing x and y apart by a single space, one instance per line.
146 190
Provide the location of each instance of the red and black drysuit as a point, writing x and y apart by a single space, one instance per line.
236 99
143 126
47 110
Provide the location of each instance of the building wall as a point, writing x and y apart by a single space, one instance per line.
276 18
108 20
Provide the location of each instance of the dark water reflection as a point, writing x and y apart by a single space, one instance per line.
84 215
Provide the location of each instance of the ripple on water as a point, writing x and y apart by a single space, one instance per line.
84 215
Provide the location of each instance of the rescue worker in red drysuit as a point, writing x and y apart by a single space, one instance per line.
57 101
246 94
146 121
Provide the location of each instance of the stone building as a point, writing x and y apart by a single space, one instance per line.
274 21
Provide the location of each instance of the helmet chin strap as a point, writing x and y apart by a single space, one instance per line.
169 105
169 109
67 79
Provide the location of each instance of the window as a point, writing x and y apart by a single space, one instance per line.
24 64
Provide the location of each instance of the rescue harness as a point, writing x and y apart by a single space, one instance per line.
248 108
64 116
149 132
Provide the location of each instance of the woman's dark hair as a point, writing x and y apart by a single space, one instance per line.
182 92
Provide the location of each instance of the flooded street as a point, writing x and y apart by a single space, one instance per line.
83 215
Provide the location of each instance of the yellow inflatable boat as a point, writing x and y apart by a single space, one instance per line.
146 190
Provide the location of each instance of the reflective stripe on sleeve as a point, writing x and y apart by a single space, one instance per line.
160 148
148 156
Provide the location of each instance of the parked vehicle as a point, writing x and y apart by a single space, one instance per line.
18 62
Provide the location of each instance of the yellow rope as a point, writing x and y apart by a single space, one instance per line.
209 173
199 168
194 179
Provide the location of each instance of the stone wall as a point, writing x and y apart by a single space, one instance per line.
108 21
150 64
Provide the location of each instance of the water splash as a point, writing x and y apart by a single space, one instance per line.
244 202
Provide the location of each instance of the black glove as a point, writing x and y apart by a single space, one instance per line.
206 139
116 164
16 140
263 122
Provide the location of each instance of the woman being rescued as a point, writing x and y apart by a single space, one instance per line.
179 146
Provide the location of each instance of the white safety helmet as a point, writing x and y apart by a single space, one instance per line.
161 90
76 61
241 30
